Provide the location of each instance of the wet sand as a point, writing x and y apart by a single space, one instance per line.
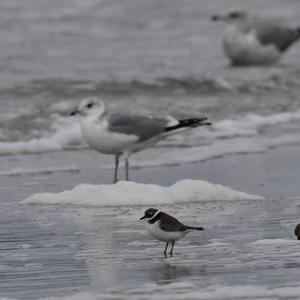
60 250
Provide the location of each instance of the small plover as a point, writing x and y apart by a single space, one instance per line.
123 134
165 228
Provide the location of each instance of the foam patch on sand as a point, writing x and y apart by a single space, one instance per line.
131 193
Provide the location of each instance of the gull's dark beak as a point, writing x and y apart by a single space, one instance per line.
215 18
74 112
142 218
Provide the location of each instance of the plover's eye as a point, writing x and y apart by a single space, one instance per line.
90 105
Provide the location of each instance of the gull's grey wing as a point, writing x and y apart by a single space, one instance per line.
142 126
280 36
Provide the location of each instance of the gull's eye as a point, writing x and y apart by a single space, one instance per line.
90 105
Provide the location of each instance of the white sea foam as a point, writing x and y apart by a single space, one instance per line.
64 138
202 153
218 149
131 193
239 135
249 124
241 126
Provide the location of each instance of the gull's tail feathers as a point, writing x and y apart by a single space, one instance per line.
189 123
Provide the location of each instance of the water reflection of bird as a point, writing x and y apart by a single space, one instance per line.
165 273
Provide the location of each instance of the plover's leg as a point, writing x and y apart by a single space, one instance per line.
165 252
116 168
171 252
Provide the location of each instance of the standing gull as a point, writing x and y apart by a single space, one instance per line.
250 40
123 134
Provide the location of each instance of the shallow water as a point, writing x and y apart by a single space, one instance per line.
141 56
62 250
105 253
148 57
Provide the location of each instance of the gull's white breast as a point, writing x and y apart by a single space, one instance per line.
164 236
244 47
97 136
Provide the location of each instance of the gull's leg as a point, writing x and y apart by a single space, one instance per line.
127 168
171 252
165 252
126 157
116 168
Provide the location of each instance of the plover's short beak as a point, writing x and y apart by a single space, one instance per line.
142 218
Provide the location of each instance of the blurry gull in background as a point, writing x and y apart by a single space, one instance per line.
123 134
251 40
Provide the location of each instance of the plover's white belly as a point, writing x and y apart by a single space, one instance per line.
164 236
98 137
244 48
